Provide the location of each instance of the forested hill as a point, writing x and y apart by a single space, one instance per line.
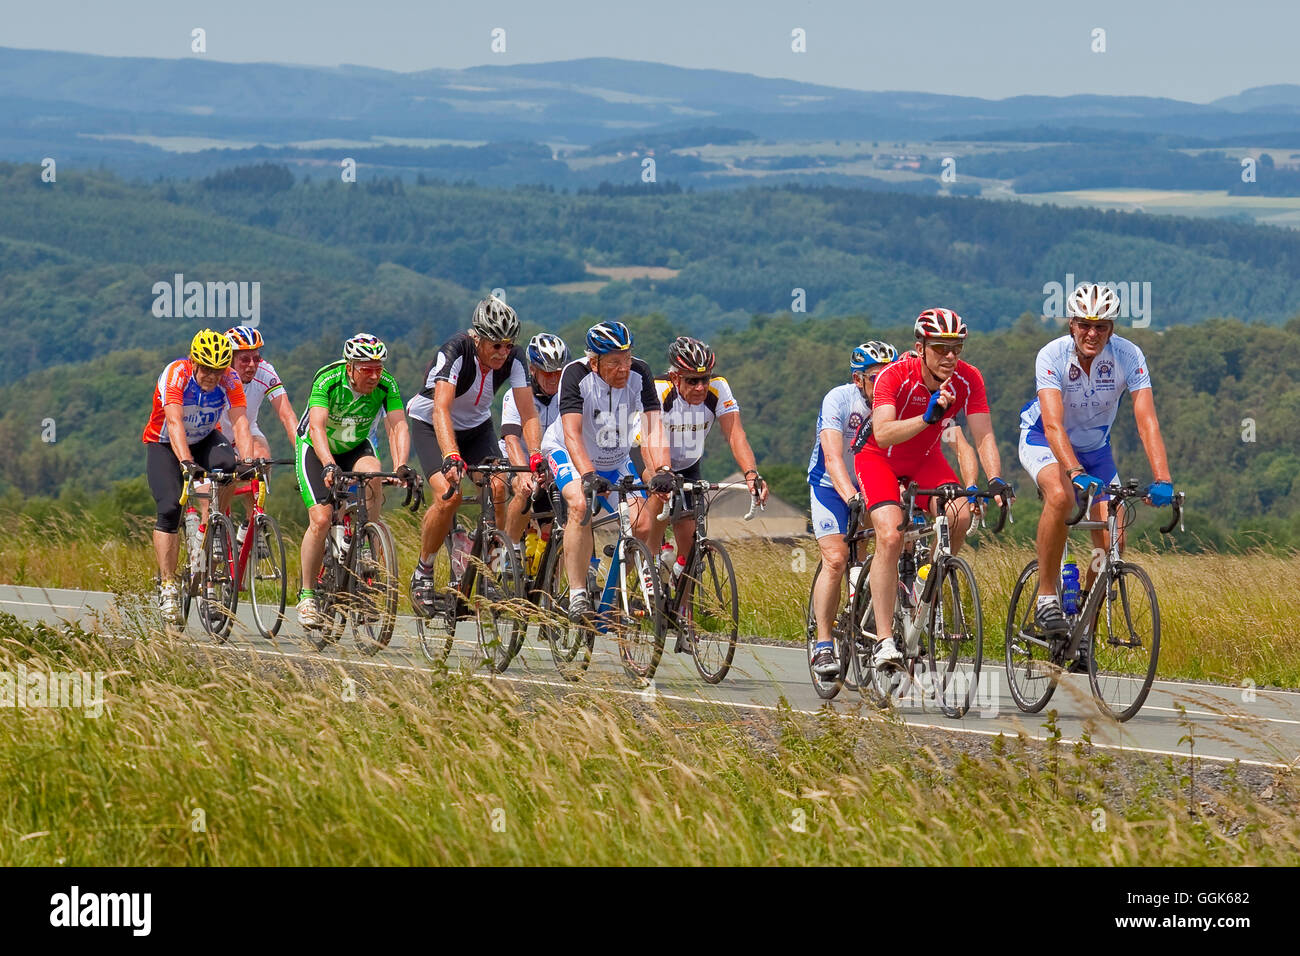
81 257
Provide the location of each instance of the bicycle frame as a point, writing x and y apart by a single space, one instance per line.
699 511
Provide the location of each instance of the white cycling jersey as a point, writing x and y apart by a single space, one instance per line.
265 384
608 414
512 423
843 410
1090 399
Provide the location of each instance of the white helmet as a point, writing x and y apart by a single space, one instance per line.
1093 302
495 321
547 352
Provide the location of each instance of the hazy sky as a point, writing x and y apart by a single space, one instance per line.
1194 50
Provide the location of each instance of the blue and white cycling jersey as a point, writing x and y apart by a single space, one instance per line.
843 409
1090 400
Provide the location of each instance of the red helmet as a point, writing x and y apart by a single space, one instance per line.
940 324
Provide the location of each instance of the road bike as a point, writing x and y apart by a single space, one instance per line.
358 580
1117 626
208 577
259 561
700 600
486 580
629 608
856 536
938 621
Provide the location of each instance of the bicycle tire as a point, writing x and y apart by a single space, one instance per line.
826 688
571 644
436 633
712 610
268 615
373 587
1124 614
330 601
876 687
957 653
497 596
638 615
1032 674
219 595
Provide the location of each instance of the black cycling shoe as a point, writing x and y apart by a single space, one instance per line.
1050 619
423 595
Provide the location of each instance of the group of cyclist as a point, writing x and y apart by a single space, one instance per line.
886 428
578 420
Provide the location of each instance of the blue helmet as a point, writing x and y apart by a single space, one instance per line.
872 353
607 337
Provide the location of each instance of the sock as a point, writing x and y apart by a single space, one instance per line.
425 568
574 592
306 593
1044 600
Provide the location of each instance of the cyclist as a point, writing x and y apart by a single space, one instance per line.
915 401
452 425
260 381
592 440
347 399
1065 433
845 413
547 356
693 399
182 438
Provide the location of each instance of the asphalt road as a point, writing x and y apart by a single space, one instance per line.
1259 727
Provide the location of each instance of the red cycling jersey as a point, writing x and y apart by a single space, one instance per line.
902 387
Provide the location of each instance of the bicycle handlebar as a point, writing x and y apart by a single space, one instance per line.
1124 493
704 487
414 489
487 467
947 494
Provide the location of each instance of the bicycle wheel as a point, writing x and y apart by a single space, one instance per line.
374 587
219 591
570 643
1126 645
331 588
267 581
637 617
826 686
956 637
497 597
436 632
712 611
877 687
1032 671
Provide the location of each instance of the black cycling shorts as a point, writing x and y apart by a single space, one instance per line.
163 472
314 471
476 445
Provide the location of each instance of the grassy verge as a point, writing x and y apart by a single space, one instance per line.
201 759
1224 618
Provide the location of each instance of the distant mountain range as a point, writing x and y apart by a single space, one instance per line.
57 94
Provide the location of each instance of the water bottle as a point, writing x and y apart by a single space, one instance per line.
666 555
240 535
855 575
460 548
678 567
533 548
1070 586
918 586
907 571
193 536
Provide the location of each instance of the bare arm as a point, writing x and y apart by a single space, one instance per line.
1052 410
399 437
654 448
243 434
967 464
1148 426
833 450
288 419
574 443
320 443
734 432
176 433
986 446
444 393
528 420
888 430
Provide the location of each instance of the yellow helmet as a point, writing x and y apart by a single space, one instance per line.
212 349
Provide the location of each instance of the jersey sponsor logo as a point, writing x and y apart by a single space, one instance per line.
855 422
826 525
1075 372
1105 370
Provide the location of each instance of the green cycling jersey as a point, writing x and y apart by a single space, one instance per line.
350 416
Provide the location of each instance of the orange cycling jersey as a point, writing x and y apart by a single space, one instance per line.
199 409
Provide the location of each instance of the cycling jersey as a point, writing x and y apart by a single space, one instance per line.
902 387
688 425
199 409
547 407
457 362
350 416
608 414
265 384
843 410
1090 399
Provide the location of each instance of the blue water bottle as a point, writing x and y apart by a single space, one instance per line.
1070 586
